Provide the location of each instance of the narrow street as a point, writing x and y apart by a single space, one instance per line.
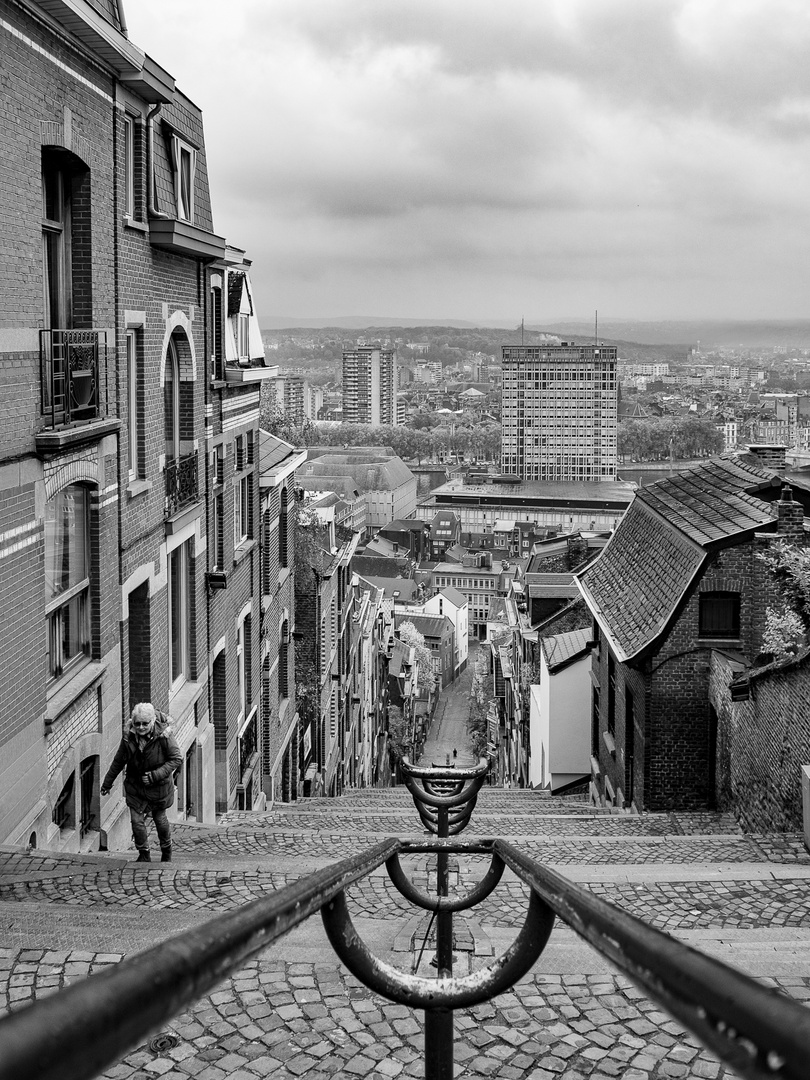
448 731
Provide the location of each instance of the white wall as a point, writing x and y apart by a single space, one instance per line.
559 725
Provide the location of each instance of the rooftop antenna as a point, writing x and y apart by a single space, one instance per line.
521 330
596 327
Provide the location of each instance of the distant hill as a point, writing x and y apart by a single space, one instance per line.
780 333
360 322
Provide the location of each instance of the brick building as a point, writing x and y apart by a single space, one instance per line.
281 744
129 491
678 585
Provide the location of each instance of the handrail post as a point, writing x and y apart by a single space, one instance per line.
439 1022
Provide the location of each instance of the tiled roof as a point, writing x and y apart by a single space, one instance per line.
429 626
636 584
272 451
711 501
405 588
562 648
377 566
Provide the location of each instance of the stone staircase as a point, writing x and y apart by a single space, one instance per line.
294 1011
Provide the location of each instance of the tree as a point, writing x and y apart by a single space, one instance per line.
408 633
398 743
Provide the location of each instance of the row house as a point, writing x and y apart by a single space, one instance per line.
129 486
403 693
327 656
375 633
281 746
678 586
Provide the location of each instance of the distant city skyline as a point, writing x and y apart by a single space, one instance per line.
440 156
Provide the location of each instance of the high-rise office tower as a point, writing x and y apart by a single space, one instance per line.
559 411
369 386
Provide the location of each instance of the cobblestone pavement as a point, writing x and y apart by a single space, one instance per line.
286 1020
671 905
66 917
486 823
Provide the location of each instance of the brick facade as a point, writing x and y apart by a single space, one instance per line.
137 284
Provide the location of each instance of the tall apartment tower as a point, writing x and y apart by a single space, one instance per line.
370 386
559 406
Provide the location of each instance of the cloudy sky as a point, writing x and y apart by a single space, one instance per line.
493 159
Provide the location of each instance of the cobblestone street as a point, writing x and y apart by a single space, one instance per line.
294 1011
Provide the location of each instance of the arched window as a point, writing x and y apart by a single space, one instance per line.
67 577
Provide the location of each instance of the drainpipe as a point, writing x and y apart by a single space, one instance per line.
151 116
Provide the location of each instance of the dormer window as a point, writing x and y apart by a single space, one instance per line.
185 164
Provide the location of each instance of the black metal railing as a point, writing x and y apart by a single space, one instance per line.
77 1032
70 370
181 483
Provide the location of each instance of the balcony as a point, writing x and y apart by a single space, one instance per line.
181 484
72 401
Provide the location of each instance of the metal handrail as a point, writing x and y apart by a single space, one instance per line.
79 1031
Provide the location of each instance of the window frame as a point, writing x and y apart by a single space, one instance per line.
76 596
135 439
182 151
56 246
217 328
715 628
129 167
179 613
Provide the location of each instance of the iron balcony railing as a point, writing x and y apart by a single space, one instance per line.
76 1033
181 483
70 369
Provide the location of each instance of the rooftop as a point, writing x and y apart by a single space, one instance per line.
562 649
635 585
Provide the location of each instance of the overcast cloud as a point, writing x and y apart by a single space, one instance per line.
483 159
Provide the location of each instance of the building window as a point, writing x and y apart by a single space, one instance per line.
719 615
243 664
88 784
611 717
64 809
67 578
56 246
129 166
283 528
216 351
241 510
243 337
284 661
133 402
179 614
185 164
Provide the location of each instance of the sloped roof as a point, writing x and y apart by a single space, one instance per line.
404 525
405 587
109 10
372 472
429 626
453 595
635 585
562 649
377 566
272 450
712 501
342 485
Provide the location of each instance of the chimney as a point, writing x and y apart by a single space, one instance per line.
790 516
770 456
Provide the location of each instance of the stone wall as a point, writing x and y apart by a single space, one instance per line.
763 743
